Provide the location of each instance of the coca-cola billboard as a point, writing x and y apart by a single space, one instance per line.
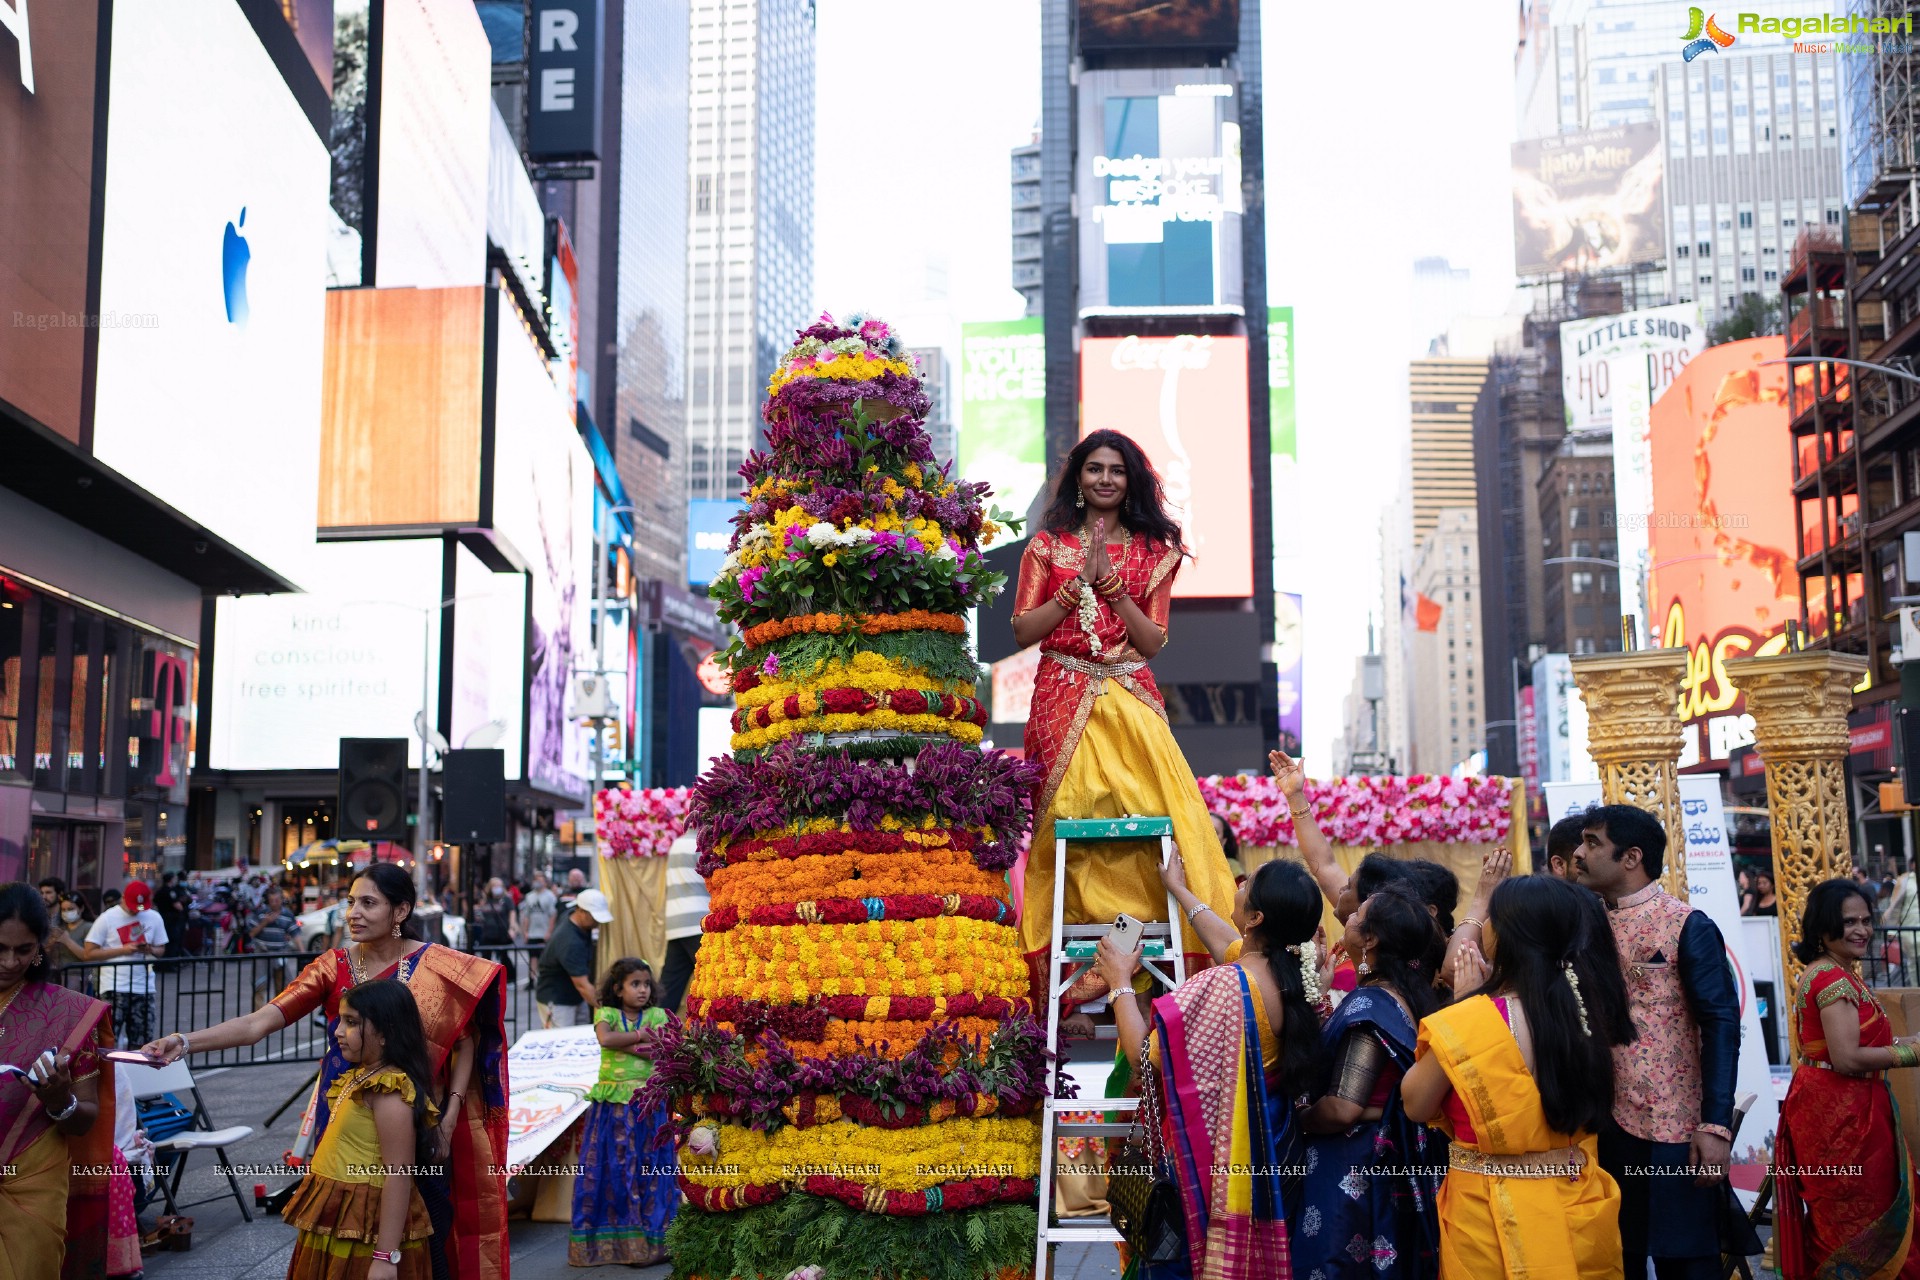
1184 400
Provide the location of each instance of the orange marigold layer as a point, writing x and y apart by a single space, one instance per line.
872 624
745 885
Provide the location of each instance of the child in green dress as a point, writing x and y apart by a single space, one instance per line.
627 1191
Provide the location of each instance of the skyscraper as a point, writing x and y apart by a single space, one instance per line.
1442 391
1027 222
750 222
1448 690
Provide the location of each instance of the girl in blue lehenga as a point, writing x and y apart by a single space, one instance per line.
1372 1174
626 1193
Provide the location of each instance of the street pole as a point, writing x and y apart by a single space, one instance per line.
600 669
426 743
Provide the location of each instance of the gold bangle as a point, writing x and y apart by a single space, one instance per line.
1300 811
1469 920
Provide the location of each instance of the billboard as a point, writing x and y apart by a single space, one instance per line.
489 656
1184 401
1158 189
544 512
1283 435
1159 24
709 530
433 103
47 61
1591 349
1003 409
1588 201
214 238
563 72
1288 651
1721 536
350 657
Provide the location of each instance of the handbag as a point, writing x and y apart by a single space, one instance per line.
1141 1192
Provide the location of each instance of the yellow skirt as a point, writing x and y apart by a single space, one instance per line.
33 1208
1126 762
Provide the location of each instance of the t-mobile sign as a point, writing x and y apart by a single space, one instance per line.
563 74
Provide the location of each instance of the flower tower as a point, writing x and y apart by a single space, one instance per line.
859 1074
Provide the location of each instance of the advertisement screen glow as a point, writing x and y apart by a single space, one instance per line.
214 249
1003 409
1184 401
435 135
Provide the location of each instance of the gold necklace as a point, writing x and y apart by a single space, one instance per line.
8 1004
356 962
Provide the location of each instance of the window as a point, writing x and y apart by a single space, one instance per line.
1706 248
1833 217
1746 218
1746 275
1579 582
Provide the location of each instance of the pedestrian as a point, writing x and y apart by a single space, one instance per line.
358 1211
1845 1178
1760 900
129 928
68 942
687 907
626 1192
576 881
564 992
537 912
53 1195
1563 841
1671 1133
171 902
273 935
499 923
1520 1072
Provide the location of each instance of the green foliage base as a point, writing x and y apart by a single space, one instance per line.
770 1241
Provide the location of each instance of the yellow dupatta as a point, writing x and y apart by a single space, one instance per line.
1521 1228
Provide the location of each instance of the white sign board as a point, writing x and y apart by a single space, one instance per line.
1711 888
1560 715
1590 352
550 1073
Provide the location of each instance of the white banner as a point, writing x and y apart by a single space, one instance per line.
550 1072
1711 888
1633 483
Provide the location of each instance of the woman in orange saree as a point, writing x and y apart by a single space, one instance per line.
1520 1075
1858 1220
462 1001
1096 583
56 1124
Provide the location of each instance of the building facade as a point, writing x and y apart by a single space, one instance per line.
1442 391
750 220
1027 270
1448 689
1580 570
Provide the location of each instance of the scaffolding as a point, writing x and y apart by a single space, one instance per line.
1883 99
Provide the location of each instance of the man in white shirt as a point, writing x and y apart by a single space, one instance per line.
131 927
687 907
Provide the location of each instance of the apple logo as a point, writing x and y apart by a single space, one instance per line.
234 256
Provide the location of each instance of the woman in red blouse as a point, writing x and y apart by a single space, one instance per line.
1844 1176
1095 586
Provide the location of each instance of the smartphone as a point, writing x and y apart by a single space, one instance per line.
1126 932
133 1056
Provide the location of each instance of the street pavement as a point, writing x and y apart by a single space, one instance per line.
225 1247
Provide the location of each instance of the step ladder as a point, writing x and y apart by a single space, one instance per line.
1073 948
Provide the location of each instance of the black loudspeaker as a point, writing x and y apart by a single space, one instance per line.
373 789
473 798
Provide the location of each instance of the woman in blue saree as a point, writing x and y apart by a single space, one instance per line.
1368 1207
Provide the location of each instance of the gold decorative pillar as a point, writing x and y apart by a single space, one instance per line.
1799 704
1633 735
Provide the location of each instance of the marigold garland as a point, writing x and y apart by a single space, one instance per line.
946 1198
941 956
959 730
872 624
889 1039
907 906
753 1016
867 671
823 836
747 886
885 1159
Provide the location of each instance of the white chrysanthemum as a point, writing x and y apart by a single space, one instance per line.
945 551
821 534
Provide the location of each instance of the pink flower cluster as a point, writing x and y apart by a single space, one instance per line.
1368 811
641 823
1350 811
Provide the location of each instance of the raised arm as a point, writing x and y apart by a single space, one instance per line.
1471 931
1215 933
1315 849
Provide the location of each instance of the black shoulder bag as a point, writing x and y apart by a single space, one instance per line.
1141 1192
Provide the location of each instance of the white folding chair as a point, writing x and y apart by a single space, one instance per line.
177 1078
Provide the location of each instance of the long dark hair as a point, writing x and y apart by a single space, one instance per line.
22 901
387 1006
1541 925
1375 872
1819 923
1289 903
616 977
1438 886
1406 945
396 886
1145 508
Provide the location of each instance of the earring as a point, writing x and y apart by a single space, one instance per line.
396 931
1363 966
1079 496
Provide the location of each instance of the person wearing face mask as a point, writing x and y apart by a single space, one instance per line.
1839 1113
499 924
68 942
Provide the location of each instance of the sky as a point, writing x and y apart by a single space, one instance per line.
1381 147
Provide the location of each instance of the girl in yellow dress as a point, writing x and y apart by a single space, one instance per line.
359 1215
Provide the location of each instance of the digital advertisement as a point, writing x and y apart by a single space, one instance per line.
1588 201
221 393
1003 409
1184 400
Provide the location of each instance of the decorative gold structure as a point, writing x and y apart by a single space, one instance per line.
1634 736
1799 704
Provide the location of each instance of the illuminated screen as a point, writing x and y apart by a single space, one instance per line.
709 530
1003 408
343 659
213 265
1159 189
435 134
543 509
1159 24
1184 401
1722 534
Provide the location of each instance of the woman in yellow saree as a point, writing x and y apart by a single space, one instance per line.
1519 1073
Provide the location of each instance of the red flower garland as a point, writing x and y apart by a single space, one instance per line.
830 842
859 702
971 1193
906 906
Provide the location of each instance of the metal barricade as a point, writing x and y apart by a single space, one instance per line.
1894 958
194 992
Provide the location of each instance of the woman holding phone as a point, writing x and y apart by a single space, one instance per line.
1096 583
55 1141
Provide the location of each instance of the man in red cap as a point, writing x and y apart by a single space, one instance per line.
129 928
